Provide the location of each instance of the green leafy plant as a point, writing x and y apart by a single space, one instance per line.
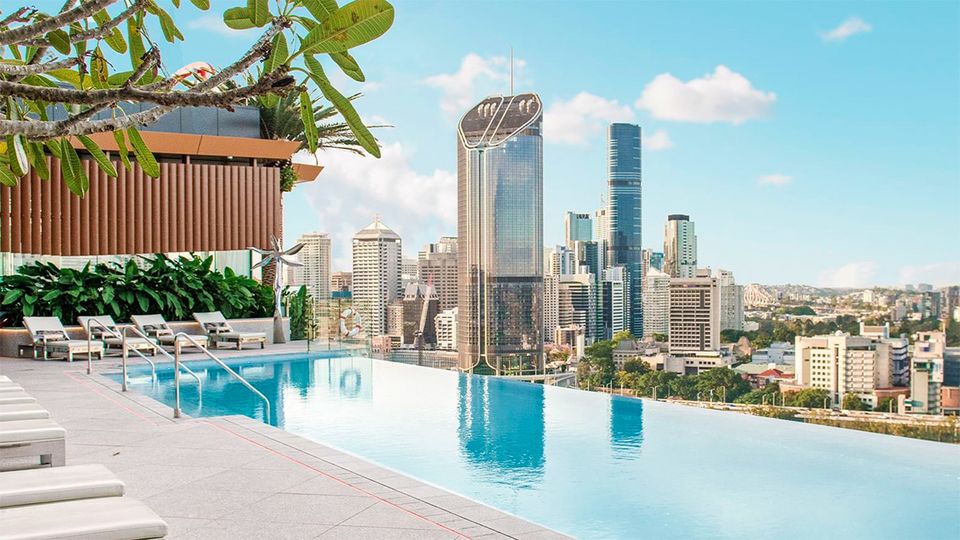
288 177
299 308
174 288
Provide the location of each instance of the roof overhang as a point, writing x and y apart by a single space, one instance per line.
186 144
306 173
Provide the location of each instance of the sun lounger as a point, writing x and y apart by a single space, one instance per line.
102 328
10 387
49 336
22 411
220 331
24 438
111 518
156 327
39 486
4 378
16 397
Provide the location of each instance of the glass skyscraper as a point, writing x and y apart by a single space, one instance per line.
624 225
500 234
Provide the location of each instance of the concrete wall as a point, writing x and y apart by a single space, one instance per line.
12 338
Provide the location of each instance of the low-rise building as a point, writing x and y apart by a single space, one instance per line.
446 324
843 364
779 352
926 372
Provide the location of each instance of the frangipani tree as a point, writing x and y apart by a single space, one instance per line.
94 55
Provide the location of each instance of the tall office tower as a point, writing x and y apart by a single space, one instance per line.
315 258
586 254
576 227
949 302
679 247
439 268
341 282
614 301
601 233
408 271
551 306
731 301
376 274
420 308
560 261
577 305
843 364
652 259
446 325
656 303
500 235
624 225
694 314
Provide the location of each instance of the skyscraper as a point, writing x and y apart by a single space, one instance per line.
576 228
376 274
624 212
437 266
656 303
679 247
315 258
601 234
731 301
614 300
500 235
694 323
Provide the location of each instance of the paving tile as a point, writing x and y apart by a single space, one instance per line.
512 526
262 480
296 507
190 502
542 534
147 480
374 533
323 485
233 529
176 526
386 515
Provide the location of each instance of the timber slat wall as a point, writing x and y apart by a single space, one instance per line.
189 208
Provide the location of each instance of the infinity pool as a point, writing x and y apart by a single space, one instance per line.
592 465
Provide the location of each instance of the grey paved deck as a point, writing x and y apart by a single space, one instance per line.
236 478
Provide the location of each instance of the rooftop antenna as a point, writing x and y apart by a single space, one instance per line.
511 71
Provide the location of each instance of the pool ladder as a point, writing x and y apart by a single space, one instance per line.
177 343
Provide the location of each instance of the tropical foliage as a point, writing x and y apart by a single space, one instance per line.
299 308
92 56
281 119
175 288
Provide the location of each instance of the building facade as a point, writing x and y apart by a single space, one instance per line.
341 282
656 303
843 364
315 258
500 235
551 306
446 325
731 301
614 300
926 372
624 219
439 269
577 227
577 304
679 247
376 279
694 321
420 309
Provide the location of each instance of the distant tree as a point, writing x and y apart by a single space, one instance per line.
685 387
717 380
852 402
953 333
660 379
813 398
662 338
623 335
759 396
887 404
635 365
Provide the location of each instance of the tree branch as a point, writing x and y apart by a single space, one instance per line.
18 16
33 69
22 33
100 31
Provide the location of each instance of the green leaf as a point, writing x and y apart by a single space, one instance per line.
348 65
321 10
114 39
354 24
67 76
12 296
17 156
135 37
54 147
360 131
278 54
122 149
259 11
6 177
73 173
237 18
201 4
144 156
60 41
98 155
309 124
170 31
38 160
98 68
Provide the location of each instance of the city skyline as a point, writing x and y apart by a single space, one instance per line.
853 111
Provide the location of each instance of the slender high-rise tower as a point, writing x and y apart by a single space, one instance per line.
500 235
624 213
679 247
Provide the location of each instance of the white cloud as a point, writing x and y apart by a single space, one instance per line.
477 76
849 27
721 96
775 179
938 274
658 140
586 115
855 274
214 23
419 206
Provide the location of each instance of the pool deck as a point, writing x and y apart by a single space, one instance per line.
233 477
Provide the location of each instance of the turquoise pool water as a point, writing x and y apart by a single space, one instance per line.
596 466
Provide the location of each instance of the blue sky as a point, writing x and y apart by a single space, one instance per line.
811 142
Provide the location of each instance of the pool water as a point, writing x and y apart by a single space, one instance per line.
592 465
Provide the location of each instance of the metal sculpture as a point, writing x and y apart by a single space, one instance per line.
281 257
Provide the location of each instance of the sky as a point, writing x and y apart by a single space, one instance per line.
810 142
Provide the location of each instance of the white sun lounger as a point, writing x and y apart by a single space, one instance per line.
10 387
4 378
22 411
219 330
155 326
49 336
39 486
16 397
111 336
107 518
26 438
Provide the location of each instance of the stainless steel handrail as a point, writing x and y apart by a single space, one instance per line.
176 373
89 327
137 331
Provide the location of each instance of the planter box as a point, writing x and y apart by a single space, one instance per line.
12 338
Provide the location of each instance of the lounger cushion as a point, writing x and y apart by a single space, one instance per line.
182 339
27 431
132 342
16 397
37 486
241 335
4 378
110 518
22 411
75 344
10 387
